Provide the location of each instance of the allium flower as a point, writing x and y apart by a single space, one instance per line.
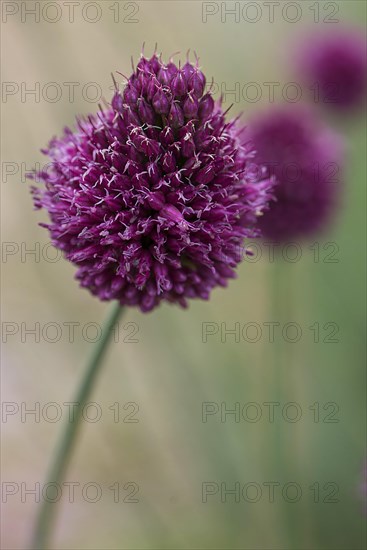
305 158
333 64
152 197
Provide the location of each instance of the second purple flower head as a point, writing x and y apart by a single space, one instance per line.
306 158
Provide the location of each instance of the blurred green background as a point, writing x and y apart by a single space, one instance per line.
170 371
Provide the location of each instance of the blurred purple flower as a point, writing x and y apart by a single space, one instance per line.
333 65
152 197
305 157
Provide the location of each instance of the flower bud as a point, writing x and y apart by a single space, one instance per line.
164 76
206 106
187 146
156 200
179 85
145 111
190 106
117 102
167 137
131 95
176 116
197 82
160 102
168 162
206 174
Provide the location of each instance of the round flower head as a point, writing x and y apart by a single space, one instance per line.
152 197
333 65
305 159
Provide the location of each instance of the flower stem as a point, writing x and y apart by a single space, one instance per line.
282 360
63 451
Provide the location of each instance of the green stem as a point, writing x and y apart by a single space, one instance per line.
63 451
282 360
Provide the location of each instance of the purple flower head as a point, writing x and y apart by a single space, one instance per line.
305 158
333 65
151 198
